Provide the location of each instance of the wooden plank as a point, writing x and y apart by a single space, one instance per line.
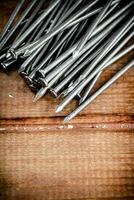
82 164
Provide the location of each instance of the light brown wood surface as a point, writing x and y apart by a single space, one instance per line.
41 158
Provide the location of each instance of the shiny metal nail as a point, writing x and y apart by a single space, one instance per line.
124 69
6 64
44 89
91 28
114 59
89 88
113 40
71 59
15 53
11 19
14 28
77 68
35 24
84 80
34 14
61 27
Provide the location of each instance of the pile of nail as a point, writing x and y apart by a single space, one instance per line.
63 46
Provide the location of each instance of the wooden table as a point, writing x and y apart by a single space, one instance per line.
41 158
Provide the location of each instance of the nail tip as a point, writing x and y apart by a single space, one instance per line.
35 99
58 109
66 119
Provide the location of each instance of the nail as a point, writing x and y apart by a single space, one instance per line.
70 60
61 27
91 28
86 79
7 63
11 19
40 94
34 25
89 88
79 65
100 90
34 14
113 40
114 59
44 61
14 28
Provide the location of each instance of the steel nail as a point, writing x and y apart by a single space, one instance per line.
86 79
114 59
14 28
34 25
34 14
101 27
77 67
11 19
91 28
61 27
124 69
70 60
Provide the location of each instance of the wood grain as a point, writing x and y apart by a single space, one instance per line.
67 165
91 158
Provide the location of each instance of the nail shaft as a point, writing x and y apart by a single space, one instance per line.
100 90
87 79
11 19
91 28
14 28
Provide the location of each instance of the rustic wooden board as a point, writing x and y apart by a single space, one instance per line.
41 158
69 164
